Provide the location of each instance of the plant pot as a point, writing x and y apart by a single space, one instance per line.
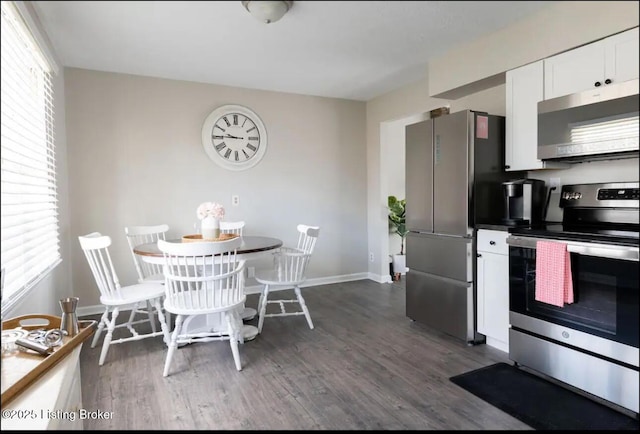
399 264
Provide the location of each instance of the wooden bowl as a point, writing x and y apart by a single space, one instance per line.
198 238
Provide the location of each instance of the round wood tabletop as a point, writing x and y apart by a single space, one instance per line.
250 244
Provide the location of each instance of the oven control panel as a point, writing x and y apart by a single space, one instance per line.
604 195
619 194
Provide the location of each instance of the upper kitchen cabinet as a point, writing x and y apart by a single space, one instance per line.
610 60
524 89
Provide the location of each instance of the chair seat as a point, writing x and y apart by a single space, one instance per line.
271 277
134 294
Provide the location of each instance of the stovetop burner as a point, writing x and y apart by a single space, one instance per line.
603 235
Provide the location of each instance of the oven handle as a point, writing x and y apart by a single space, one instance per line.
625 253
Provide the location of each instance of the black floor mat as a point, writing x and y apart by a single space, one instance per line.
540 404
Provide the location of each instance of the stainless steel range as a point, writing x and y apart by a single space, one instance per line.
592 343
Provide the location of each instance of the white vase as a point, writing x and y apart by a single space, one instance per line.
399 264
210 228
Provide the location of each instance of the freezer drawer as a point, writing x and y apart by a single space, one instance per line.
445 256
442 304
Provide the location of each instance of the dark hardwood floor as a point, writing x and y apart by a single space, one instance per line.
365 366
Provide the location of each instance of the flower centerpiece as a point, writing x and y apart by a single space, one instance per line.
210 214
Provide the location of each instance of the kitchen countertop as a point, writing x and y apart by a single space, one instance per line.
496 227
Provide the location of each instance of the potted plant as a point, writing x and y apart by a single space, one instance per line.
397 225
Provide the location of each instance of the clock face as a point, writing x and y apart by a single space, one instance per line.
234 137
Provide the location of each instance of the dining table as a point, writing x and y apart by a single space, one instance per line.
251 247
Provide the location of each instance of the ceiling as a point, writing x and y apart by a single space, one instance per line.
342 49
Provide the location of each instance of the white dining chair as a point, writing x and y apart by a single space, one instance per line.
115 297
231 227
289 267
136 235
147 272
203 278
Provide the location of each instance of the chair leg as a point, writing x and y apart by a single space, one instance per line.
107 339
304 307
263 307
233 330
103 320
150 315
260 300
132 315
172 345
163 325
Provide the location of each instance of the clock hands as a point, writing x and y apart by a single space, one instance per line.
232 137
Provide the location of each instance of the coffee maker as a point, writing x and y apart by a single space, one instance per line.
523 202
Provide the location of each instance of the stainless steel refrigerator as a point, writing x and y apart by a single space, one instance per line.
454 171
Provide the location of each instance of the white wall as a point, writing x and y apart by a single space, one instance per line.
136 158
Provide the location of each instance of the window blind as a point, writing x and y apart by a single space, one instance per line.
29 215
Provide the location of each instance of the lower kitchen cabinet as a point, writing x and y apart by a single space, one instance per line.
52 402
493 287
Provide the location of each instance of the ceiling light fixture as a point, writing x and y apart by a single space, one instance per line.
267 11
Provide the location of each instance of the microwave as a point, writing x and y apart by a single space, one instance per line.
600 123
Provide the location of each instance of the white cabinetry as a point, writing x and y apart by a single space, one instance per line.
53 402
610 60
493 287
524 89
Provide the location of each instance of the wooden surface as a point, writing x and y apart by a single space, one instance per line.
198 238
250 244
365 366
20 369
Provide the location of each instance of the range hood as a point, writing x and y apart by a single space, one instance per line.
600 123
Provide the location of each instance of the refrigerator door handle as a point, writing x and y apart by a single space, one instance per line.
434 234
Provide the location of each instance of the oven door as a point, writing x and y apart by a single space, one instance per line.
604 314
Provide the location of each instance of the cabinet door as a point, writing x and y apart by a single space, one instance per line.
622 56
574 71
493 297
524 89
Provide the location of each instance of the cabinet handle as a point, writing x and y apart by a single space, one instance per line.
478 255
507 167
607 81
493 243
596 84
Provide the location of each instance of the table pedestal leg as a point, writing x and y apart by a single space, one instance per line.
212 322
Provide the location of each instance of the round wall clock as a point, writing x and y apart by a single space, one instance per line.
234 137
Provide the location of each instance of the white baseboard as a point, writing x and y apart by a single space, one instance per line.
255 289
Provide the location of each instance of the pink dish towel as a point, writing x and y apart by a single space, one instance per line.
554 284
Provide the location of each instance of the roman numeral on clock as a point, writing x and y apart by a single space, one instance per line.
227 153
220 128
221 146
245 154
218 137
251 129
253 138
237 158
235 119
226 121
253 148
